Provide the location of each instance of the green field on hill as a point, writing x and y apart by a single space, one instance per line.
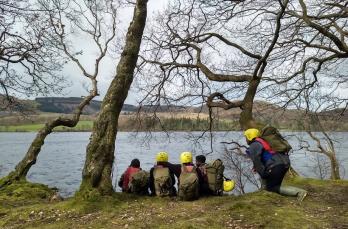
81 126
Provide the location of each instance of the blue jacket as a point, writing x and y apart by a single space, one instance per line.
264 160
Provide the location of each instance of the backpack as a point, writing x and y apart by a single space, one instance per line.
215 176
277 142
188 184
163 181
139 182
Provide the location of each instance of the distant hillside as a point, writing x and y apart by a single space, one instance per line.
265 112
68 104
272 114
9 104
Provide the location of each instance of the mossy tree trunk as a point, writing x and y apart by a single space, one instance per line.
96 176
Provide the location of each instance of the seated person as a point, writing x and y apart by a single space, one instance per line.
189 179
162 178
202 174
124 181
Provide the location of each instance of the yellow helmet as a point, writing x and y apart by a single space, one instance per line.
186 157
162 157
252 133
228 185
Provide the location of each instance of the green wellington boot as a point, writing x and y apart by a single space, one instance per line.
293 191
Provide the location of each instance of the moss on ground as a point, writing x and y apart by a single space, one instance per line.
24 192
325 207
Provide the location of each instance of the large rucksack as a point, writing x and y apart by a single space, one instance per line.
163 181
188 184
215 176
277 142
139 182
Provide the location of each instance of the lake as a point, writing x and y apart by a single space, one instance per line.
62 157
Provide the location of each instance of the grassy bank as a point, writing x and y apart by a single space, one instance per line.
325 207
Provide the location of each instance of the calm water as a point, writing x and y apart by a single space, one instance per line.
61 159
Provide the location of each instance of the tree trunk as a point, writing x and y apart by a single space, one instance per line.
30 157
96 175
335 168
246 116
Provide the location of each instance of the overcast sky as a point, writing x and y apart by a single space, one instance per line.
77 82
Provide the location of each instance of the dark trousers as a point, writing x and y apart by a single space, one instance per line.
274 177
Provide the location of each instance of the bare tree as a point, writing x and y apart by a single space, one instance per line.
312 50
224 52
320 108
96 20
188 38
96 176
315 49
320 167
328 149
29 64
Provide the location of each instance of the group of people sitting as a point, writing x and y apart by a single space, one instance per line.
194 180
268 150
